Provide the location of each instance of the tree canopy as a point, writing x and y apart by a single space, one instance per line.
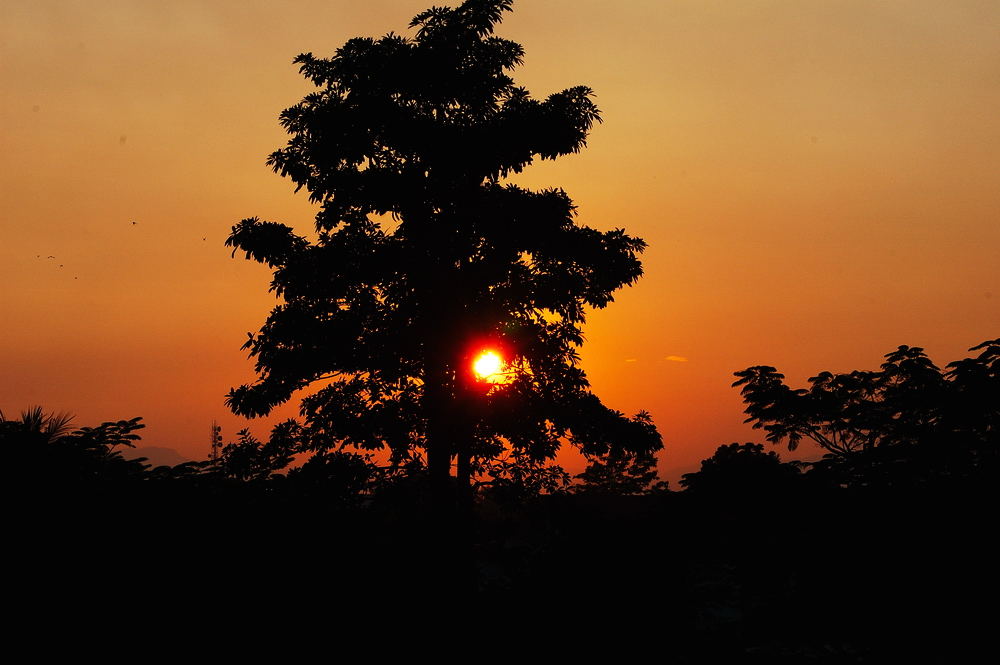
908 421
424 255
743 471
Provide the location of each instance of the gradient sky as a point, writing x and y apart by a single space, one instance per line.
818 182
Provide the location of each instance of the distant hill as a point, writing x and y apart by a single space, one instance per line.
156 455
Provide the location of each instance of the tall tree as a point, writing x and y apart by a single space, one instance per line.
424 256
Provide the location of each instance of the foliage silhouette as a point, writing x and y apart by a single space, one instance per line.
250 459
424 256
35 422
341 477
908 422
516 477
619 472
52 457
744 471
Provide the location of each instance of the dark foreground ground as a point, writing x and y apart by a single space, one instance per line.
834 576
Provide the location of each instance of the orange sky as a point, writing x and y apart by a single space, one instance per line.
818 182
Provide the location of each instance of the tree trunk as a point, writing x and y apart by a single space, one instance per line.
463 489
439 441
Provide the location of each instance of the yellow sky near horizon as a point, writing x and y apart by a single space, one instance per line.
818 183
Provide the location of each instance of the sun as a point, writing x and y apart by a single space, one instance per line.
488 366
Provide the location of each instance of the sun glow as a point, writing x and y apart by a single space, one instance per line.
488 366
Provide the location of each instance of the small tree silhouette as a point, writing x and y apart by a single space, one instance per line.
907 422
54 460
742 471
424 256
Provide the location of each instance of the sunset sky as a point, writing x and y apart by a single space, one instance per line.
818 182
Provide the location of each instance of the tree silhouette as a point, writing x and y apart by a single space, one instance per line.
424 256
742 471
51 458
907 422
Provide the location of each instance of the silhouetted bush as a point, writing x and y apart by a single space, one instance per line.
745 472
